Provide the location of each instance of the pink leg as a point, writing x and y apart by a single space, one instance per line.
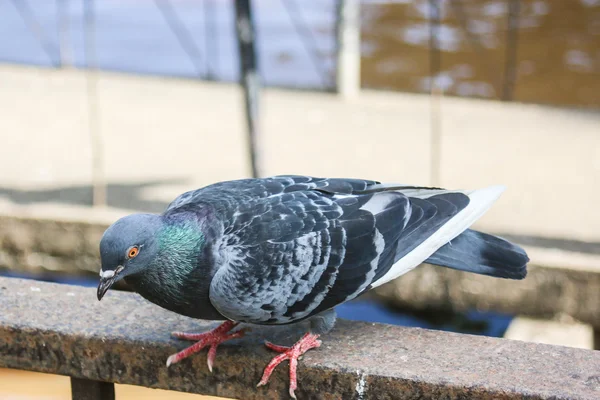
213 338
307 342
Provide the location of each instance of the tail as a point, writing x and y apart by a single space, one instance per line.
484 254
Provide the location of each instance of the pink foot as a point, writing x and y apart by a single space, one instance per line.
307 342
213 338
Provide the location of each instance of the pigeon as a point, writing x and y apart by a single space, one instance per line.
290 248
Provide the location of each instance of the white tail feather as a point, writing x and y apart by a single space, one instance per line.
480 201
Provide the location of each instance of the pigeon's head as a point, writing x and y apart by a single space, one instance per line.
127 247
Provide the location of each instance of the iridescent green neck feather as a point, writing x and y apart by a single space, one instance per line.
180 243
179 252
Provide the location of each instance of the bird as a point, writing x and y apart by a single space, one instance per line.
288 248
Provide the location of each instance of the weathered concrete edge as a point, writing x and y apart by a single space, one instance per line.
35 239
315 381
546 292
59 329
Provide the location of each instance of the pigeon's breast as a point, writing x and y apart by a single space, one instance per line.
187 295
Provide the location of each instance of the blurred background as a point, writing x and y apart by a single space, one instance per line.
114 106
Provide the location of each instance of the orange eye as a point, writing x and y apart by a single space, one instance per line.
132 252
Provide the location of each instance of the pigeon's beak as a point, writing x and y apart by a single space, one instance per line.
107 279
104 285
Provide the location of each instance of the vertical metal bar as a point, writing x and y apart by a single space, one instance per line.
211 39
510 59
308 39
36 30
85 389
249 78
348 47
435 64
184 37
98 179
62 28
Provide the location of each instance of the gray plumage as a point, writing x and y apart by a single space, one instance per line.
283 249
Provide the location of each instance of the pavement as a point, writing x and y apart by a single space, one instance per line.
162 136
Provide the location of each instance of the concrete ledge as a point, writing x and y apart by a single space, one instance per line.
557 283
162 113
63 329
55 238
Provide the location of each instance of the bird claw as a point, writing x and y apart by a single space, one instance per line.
307 342
210 358
170 360
213 338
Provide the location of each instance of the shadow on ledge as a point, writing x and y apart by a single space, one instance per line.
119 195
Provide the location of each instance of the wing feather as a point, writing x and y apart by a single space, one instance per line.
292 246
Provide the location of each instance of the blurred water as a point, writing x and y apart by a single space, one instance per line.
554 56
557 50
133 36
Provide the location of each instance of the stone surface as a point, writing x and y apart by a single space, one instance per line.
64 330
547 291
51 241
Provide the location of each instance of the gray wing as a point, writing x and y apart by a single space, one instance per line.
227 195
288 256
